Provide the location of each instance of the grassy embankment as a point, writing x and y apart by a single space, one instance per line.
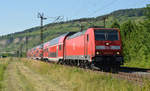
3 66
77 79
30 75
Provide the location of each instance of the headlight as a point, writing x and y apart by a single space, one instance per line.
107 44
97 53
118 53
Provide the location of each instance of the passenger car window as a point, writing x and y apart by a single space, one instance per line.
87 37
59 47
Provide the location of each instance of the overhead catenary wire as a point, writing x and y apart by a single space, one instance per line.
104 7
57 19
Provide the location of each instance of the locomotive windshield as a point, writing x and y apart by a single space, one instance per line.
111 35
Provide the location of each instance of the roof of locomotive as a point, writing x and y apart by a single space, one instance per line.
106 29
93 28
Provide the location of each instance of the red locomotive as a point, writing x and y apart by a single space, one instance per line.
95 47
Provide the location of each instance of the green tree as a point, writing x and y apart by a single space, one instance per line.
115 24
136 43
131 39
147 11
127 28
146 23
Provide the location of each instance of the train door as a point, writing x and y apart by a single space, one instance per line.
57 51
86 44
60 50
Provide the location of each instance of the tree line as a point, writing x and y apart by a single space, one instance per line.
136 38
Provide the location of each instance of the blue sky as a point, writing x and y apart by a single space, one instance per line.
18 15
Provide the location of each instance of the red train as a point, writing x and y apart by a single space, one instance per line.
95 47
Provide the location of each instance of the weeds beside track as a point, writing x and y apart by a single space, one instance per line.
85 79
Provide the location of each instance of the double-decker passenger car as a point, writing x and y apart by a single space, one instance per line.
54 49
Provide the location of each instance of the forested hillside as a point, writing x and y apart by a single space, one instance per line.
136 41
136 44
133 23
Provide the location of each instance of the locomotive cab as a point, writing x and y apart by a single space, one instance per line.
108 47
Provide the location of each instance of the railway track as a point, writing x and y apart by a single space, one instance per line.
138 78
133 69
136 75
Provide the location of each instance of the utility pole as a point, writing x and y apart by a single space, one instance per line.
20 50
104 20
81 26
41 16
26 42
17 53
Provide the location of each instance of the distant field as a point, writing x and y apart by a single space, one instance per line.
30 75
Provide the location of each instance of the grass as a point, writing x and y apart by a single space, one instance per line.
27 85
69 78
3 66
78 80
